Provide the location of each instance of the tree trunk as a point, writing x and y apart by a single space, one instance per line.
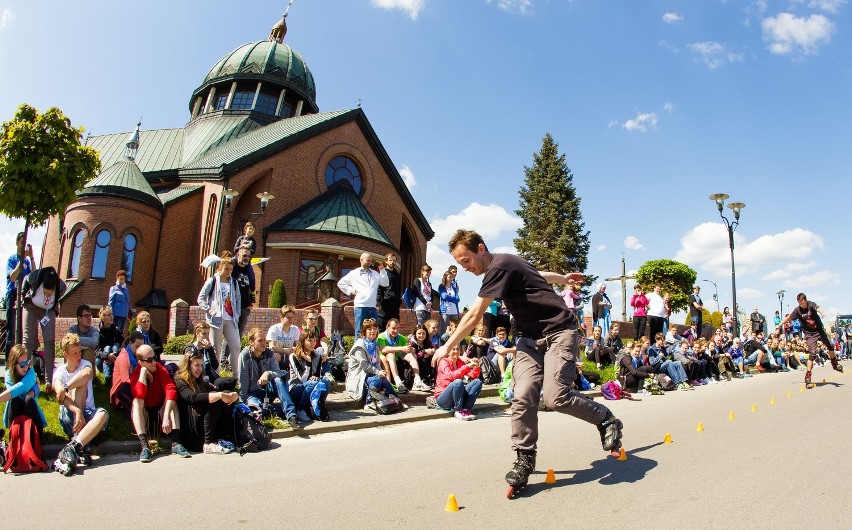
19 299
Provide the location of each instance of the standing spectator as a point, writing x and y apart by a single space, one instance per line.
363 283
776 320
696 307
489 318
423 295
42 290
390 297
78 416
283 337
109 344
154 404
449 300
119 301
639 303
150 336
728 320
244 276
261 378
21 390
451 391
18 267
656 310
757 320
246 239
87 334
220 300
601 305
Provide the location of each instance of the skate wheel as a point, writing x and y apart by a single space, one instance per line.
510 493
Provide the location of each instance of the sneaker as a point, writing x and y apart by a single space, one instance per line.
592 386
214 449
303 416
330 378
227 446
368 408
179 450
145 455
760 368
642 392
462 415
728 376
470 415
294 423
420 386
431 402
401 388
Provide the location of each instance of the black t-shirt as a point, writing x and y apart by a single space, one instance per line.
242 276
694 311
537 309
811 322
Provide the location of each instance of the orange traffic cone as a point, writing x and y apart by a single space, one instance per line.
668 438
550 478
622 455
452 505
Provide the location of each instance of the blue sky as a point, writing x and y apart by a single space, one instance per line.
656 104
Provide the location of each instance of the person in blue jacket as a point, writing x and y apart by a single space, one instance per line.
22 390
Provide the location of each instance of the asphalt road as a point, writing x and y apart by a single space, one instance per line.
783 466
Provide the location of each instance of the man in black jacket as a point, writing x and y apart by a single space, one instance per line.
390 297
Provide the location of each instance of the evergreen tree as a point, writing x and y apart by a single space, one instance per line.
553 236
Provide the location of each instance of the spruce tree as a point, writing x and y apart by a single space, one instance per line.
553 236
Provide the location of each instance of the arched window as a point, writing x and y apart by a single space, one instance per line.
76 250
99 262
128 255
343 168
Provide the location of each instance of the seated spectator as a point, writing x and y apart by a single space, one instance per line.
631 372
109 344
501 349
88 334
308 388
149 334
78 416
451 391
154 403
778 355
202 346
737 358
596 351
704 353
283 336
120 393
479 343
205 412
452 324
21 390
658 360
613 341
423 351
365 370
392 347
262 379
312 324
696 369
754 352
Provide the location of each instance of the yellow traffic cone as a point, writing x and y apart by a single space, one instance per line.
789 393
622 455
772 401
731 416
452 505
753 408
550 478
802 388
668 438
700 427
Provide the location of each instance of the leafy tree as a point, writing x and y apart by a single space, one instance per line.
553 235
675 277
716 319
42 166
278 296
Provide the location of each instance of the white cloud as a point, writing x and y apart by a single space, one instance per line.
706 248
812 280
408 176
666 45
669 107
715 54
788 270
506 250
672 17
6 17
9 229
787 33
600 248
748 293
641 122
520 7
633 243
829 6
411 7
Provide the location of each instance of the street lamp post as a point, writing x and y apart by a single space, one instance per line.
781 301
736 207
715 294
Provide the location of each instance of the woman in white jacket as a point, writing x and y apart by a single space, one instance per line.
220 300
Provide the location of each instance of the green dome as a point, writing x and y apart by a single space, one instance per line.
123 180
273 61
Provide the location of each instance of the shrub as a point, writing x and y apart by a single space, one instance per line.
176 345
278 296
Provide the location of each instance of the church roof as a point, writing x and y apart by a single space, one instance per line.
159 150
337 210
175 194
123 179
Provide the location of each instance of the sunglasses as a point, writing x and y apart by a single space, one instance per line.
24 364
314 318
148 360
369 321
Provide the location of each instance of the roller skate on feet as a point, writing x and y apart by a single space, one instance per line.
836 365
84 457
519 475
610 430
808 383
66 462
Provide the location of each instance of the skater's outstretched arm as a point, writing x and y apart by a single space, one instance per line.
466 324
570 278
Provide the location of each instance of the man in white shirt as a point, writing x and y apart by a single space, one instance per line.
283 337
656 310
363 283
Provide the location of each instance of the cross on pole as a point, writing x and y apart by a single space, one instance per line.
623 279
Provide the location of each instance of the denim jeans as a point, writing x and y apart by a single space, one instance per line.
377 384
275 388
120 324
674 370
458 396
310 401
422 316
363 313
102 365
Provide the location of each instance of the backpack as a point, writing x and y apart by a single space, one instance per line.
488 373
24 452
611 390
385 403
408 298
251 436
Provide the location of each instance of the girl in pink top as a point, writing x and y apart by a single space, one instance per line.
639 303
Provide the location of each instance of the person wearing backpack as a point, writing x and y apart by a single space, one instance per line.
451 391
21 390
365 368
422 290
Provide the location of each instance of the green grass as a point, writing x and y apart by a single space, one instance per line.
608 372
